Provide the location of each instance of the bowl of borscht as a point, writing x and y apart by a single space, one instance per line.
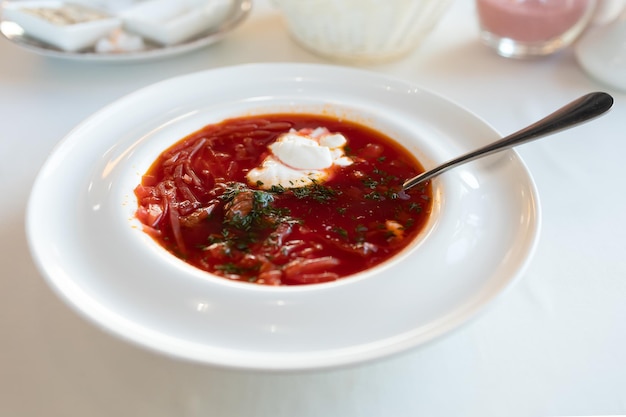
255 219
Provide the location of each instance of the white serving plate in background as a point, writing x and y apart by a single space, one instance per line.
238 11
69 38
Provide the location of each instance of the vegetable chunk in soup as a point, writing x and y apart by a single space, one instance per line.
283 199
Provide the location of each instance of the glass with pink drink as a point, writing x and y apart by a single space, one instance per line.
527 28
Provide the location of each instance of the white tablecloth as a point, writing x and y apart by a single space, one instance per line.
552 345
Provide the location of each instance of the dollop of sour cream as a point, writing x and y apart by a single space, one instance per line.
301 158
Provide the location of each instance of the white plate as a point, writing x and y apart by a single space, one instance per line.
239 12
85 240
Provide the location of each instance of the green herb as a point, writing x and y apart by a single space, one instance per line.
370 183
341 232
384 177
360 230
379 171
232 190
376 196
277 189
229 268
257 218
261 215
390 235
415 207
232 268
316 192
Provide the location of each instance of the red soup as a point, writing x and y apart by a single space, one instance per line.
284 225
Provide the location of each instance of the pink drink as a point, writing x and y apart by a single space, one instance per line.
530 20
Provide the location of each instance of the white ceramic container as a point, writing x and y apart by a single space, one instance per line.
361 30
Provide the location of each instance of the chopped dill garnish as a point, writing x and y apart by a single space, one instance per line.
316 191
232 268
261 215
374 196
277 189
370 183
232 190
341 232
415 207
360 228
229 268
249 216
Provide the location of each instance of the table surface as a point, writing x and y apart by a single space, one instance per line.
553 345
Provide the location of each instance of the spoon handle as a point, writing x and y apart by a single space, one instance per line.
578 111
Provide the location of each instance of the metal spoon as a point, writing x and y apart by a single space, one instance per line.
578 111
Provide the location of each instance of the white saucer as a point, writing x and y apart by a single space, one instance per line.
239 12
602 53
